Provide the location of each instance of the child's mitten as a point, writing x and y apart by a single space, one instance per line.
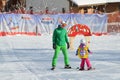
76 52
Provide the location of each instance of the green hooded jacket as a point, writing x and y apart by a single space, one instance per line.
60 36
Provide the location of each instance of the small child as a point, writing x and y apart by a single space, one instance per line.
83 52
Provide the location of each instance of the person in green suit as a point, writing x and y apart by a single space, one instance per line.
60 42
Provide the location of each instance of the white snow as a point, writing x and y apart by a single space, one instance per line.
29 58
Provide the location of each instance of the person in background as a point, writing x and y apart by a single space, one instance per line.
83 53
60 42
31 10
47 10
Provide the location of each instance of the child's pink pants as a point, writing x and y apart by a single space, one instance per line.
83 60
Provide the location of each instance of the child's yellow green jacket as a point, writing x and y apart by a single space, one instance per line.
86 49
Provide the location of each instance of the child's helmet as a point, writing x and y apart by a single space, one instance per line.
82 41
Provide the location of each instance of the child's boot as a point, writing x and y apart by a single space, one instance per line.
81 69
90 68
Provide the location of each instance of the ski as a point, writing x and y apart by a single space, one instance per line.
75 69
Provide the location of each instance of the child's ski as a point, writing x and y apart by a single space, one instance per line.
85 69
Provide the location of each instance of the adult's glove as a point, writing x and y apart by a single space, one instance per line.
54 46
68 45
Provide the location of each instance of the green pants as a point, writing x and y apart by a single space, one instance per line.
57 51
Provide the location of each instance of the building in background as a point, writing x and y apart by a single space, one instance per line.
63 6
94 6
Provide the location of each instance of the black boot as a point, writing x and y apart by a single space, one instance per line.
81 69
67 67
53 68
90 68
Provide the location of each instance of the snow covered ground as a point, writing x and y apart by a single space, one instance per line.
29 58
